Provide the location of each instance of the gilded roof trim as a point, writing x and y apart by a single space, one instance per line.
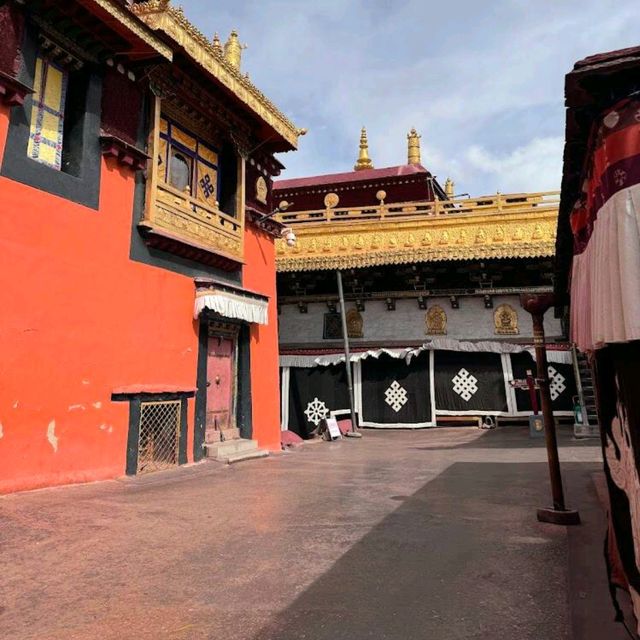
527 234
159 15
133 24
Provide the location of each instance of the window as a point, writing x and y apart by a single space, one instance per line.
180 171
53 142
46 134
187 163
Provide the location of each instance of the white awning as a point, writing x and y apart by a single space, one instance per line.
229 304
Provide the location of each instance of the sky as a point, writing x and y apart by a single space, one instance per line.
482 81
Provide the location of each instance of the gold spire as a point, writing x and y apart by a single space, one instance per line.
414 147
364 161
233 50
449 187
217 45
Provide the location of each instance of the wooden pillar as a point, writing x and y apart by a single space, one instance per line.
537 305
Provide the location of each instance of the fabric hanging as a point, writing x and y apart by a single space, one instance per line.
47 113
314 394
232 305
468 383
437 344
605 298
395 393
562 384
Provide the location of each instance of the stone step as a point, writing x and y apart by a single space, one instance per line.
228 448
246 455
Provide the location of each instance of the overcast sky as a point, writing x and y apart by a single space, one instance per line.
482 81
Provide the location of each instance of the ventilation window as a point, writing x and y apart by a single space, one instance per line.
159 435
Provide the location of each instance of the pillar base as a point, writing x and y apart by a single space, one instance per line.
564 517
353 434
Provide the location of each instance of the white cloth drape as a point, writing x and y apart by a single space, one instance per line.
231 305
605 290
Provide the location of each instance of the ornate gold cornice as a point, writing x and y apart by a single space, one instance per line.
161 16
528 232
133 24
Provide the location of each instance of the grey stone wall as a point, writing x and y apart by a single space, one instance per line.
407 323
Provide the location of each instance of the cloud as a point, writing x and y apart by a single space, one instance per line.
480 81
539 163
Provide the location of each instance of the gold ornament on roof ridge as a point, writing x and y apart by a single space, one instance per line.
233 51
449 188
364 161
161 15
414 147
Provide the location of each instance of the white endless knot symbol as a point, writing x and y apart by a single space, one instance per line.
396 396
556 383
465 385
316 411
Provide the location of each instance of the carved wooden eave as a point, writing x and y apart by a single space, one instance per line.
113 11
160 16
528 231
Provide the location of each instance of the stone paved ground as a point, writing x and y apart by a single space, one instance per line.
400 535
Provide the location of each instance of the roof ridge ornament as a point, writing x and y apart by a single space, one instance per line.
414 147
364 161
233 50
449 188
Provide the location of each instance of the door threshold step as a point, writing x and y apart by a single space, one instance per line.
245 455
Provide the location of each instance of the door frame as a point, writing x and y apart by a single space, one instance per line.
242 380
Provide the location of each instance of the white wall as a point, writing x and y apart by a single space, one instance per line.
470 322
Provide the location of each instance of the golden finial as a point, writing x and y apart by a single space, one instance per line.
217 45
233 50
364 161
414 147
449 187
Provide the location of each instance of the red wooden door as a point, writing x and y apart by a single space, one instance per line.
220 386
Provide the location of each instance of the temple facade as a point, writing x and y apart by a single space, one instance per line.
139 329
432 284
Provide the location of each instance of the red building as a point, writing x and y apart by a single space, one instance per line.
139 321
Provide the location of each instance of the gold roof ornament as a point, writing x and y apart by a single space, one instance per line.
364 161
217 45
449 187
233 50
414 147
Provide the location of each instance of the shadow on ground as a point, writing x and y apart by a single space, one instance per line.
463 557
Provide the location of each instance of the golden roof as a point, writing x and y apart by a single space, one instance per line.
500 226
161 16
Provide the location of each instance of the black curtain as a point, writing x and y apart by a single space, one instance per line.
394 392
313 393
561 377
469 381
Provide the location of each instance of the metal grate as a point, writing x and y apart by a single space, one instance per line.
159 435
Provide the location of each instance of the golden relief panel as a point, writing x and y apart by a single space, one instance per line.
506 320
355 324
262 191
346 245
436 321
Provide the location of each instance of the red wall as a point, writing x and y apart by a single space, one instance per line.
80 319
260 276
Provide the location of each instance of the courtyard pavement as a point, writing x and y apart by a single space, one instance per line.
401 535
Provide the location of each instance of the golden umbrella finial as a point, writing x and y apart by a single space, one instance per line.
233 50
364 161
217 45
414 147
449 187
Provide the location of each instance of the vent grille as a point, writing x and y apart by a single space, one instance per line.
159 436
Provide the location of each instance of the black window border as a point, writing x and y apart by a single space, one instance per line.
16 165
135 407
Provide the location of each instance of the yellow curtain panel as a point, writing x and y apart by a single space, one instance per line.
47 113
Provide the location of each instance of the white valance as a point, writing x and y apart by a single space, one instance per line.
437 344
233 305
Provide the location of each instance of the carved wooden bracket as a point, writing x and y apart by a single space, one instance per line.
12 91
125 153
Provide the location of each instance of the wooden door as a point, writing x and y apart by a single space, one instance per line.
220 386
